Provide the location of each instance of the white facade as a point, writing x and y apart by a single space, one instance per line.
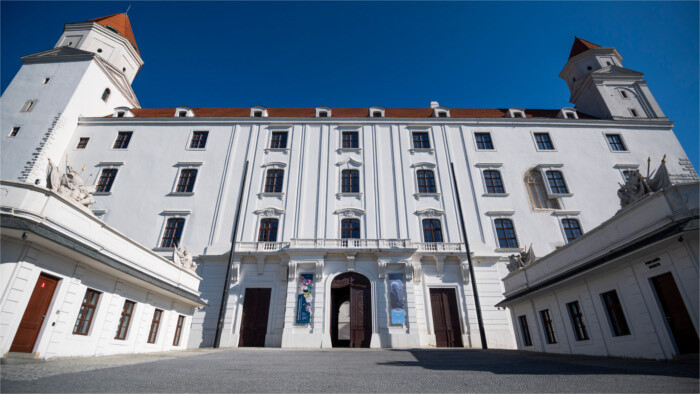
310 204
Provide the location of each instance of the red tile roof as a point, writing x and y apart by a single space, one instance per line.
348 113
580 46
120 23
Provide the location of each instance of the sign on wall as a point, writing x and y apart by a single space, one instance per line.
397 299
305 298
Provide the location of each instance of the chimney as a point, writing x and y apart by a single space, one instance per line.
434 104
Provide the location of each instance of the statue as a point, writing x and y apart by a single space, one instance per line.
70 185
638 186
521 260
183 258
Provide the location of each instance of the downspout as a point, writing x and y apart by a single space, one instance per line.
224 294
477 304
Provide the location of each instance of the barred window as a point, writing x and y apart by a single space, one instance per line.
572 229
199 139
525 330
351 140
350 228
274 181
122 141
615 142
493 181
432 230
506 233
616 315
544 142
155 324
185 184
556 182
483 141
279 140
577 321
87 312
173 233
548 327
268 230
350 181
104 184
426 181
421 140
123 327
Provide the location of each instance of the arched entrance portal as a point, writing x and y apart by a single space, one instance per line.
351 311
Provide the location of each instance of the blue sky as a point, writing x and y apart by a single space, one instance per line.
395 54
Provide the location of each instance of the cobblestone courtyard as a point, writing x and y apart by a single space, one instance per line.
351 370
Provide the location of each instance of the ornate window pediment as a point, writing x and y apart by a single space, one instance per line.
429 213
423 164
269 212
349 162
274 164
349 212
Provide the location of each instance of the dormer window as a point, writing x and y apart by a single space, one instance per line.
567 113
183 112
120 114
440 112
323 112
258 112
376 112
123 112
515 113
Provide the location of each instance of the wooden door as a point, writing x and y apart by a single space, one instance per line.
256 306
676 314
360 317
34 314
448 332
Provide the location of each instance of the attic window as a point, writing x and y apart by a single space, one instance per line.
441 113
518 114
112 29
257 114
376 114
182 114
323 112
120 114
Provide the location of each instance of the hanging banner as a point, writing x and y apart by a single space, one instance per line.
305 298
397 299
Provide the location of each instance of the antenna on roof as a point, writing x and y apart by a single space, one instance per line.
127 10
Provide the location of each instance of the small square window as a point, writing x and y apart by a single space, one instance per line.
28 106
543 141
351 140
182 114
45 81
634 112
14 131
278 140
623 94
615 142
199 140
323 114
421 140
442 114
120 114
257 114
376 114
122 141
82 142
483 141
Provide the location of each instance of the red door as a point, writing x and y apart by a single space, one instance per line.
34 315
448 332
676 315
256 306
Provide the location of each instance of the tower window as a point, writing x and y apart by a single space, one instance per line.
122 141
572 229
268 230
82 142
199 139
623 94
28 106
432 230
173 233
634 112
483 141
45 81
351 140
543 141
615 142
350 181
350 229
105 95
506 233
104 184
123 69
99 50
274 181
14 131
426 181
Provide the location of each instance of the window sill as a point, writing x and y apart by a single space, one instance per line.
433 195
495 194
162 249
417 150
283 150
197 149
101 193
180 194
507 250
268 194
486 150
355 195
349 150
558 195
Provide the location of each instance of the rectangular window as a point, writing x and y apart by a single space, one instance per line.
182 114
421 140
87 312
616 315
274 181
548 327
506 233
572 229
544 142
46 80
633 112
257 114
525 330
186 182
577 321
350 229
279 140
178 330
432 230
483 141
350 181
351 140
493 181
173 233
155 324
615 142
122 141
268 230
557 185
426 181
124 321
104 184
199 139
82 143
28 106
14 131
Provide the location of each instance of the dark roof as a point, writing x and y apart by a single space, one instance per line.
580 46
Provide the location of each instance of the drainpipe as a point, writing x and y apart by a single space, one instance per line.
477 304
220 320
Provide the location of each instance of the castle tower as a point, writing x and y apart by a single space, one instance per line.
88 73
600 86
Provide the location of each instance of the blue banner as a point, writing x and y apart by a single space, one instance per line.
397 299
305 298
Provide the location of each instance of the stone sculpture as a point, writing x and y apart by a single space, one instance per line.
638 186
70 185
521 260
183 258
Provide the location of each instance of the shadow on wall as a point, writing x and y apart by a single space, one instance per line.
513 362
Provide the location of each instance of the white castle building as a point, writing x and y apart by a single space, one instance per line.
309 227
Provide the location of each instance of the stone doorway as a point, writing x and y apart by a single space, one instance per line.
351 311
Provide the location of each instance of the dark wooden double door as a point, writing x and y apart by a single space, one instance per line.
354 288
34 314
448 332
256 306
677 317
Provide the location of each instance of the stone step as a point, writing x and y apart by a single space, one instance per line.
15 358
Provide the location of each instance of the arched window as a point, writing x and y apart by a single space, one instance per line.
426 181
105 95
274 181
506 233
350 181
572 229
538 193
268 230
350 228
432 230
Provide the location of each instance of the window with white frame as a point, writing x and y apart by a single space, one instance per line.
350 140
350 228
268 230
615 142
28 106
199 139
278 140
543 141
426 181
432 230
258 112
186 180
441 113
350 181
505 233
123 139
323 112
274 179
14 131
376 112
572 229
421 140
556 183
483 141
493 182
106 180
172 232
